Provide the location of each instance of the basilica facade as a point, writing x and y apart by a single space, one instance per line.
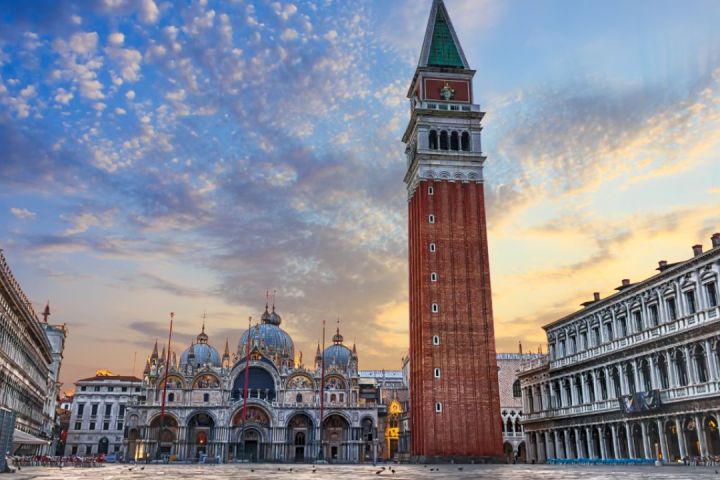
207 418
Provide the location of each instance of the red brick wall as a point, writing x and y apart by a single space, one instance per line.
461 87
469 424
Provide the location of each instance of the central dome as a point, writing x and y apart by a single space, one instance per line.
268 338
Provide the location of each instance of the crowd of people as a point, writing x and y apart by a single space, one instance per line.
55 461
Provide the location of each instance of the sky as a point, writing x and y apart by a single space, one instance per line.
187 157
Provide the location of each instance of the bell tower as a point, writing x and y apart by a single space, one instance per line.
454 398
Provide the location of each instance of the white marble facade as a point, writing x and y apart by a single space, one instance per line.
634 375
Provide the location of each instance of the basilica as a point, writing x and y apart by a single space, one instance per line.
284 418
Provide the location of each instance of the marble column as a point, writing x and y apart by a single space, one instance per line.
630 443
601 439
681 438
701 436
616 444
711 363
590 444
663 440
579 453
549 450
649 453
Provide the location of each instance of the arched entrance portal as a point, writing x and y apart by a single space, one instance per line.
690 429
622 442
671 438
201 435
103 446
637 441
164 430
300 436
508 452
712 435
597 451
654 437
609 447
335 436
521 453
248 434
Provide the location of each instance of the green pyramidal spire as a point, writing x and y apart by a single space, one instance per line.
441 47
443 52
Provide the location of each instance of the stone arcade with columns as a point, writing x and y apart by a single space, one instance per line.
634 375
204 403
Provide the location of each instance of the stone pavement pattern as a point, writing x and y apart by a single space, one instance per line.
334 472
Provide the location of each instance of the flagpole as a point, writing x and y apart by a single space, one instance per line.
322 393
245 387
167 369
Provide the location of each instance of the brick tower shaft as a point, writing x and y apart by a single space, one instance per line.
455 406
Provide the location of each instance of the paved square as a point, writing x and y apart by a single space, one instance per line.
407 472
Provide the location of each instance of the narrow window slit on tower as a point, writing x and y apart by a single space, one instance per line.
431 218
433 277
436 373
436 340
434 308
438 407
431 191
433 248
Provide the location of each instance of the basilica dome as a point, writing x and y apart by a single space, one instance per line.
268 338
200 353
337 354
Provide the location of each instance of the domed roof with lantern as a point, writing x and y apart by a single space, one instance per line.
200 352
337 354
268 338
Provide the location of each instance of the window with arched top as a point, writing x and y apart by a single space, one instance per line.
516 389
700 364
454 141
433 140
681 368
443 140
465 141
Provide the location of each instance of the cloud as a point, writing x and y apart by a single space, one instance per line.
116 39
83 221
23 213
289 34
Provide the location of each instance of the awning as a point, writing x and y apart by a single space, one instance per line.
22 438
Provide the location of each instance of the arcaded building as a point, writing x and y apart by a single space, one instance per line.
511 404
454 404
26 356
283 420
633 375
